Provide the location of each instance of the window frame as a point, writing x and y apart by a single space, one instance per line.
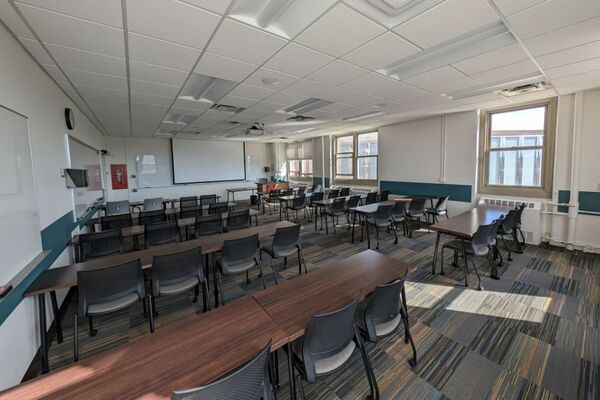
547 168
353 179
301 175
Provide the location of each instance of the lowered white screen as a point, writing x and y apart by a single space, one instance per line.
207 161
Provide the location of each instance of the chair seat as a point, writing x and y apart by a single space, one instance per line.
281 253
334 213
238 267
113 305
398 218
296 208
379 223
385 328
456 244
329 364
180 286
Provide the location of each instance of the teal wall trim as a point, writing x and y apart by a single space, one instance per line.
457 192
55 238
588 201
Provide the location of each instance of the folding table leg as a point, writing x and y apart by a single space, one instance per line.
43 342
57 321
435 252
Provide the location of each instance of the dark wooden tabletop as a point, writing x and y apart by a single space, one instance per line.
292 303
66 277
466 224
370 208
183 355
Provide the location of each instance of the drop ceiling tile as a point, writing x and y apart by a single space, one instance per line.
108 12
560 39
185 111
362 100
37 50
74 32
103 93
224 67
509 7
336 94
106 103
568 56
216 6
79 77
245 43
155 73
506 72
377 53
448 20
258 77
179 22
160 52
251 92
249 116
337 72
574 68
339 31
140 97
13 21
454 85
589 79
154 88
306 87
483 98
237 101
285 99
68 57
492 59
552 15
435 77
298 60
265 107
55 73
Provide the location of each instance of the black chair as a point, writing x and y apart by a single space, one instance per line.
250 381
384 195
190 212
153 204
315 196
382 218
301 190
177 273
272 200
218 208
352 202
206 199
399 216
150 217
478 246
100 244
416 210
380 315
333 193
493 241
116 221
518 222
188 201
335 210
439 209
239 256
299 203
161 233
106 290
345 191
238 219
285 243
208 225
330 342
508 228
287 192
371 198
117 207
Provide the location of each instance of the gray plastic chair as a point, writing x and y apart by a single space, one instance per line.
190 212
335 210
153 204
161 233
117 207
333 193
177 273
328 346
381 314
299 203
416 210
493 242
285 243
218 208
208 225
116 221
345 191
371 198
272 200
208 199
239 256
384 195
188 201
238 220
100 244
518 222
353 201
301 190
316 188
439 209
150 217
106 290
382 219
250 381
399 215
316 196
508 228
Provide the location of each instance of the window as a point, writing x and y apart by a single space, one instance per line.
300 168
356 157
517 146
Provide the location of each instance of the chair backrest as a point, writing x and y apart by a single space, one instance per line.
100 244
117 207
371 198
327 335
239 251
417 206
188 201
153 204
286 239
520 214
251 381
208 199
238 219
493 233
333 193
149 217
161 233
108 284
384 195
316 188
399 210
316 196
353 201
510 221
299 200
116 221
287 192
442 204
301 190
208 225
382 306
190 212
345 191
383 213
338 203
480 240
218 208
170 269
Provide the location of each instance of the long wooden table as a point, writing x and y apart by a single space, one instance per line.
370 209
464 226
184 355
65 277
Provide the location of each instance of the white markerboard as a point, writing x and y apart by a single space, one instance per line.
20 240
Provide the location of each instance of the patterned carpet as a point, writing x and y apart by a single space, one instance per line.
533 334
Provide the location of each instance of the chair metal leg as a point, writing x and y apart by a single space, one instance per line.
395 234
205 296
373 389
151 312
303 259
407 336
442 262
57 318
494 274
376 235
273 269
220 279
196 293
248 277
76 339
93 331
262 276
300 386
509 258
480 288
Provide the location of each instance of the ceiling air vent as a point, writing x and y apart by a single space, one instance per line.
299 118
522 89
227 108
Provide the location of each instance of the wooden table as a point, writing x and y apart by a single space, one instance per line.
233 191
464 226
65 277
184 355
327 202
365 211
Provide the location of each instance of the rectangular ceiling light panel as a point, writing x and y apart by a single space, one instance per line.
206 89
391 13
487 38
307 106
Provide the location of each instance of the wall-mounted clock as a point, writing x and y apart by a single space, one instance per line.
69 118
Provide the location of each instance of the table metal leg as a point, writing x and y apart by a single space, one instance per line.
316 216
43 342
367 228
215 280
464 252
353 224
291 372
57 321
435 251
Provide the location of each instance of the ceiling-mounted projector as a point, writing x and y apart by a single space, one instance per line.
256 129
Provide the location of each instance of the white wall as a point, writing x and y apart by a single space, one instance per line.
25 88
124 150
